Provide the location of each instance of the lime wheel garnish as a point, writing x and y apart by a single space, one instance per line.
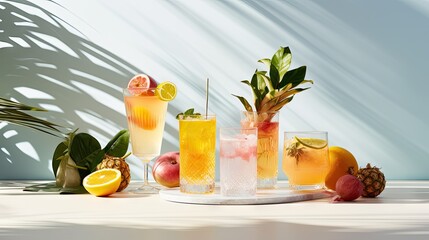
314 143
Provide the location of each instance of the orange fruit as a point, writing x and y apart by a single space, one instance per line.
341 162
102 182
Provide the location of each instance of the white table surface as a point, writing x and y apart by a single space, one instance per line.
400 212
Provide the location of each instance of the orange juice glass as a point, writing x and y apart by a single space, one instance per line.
306 159
197 136
268 144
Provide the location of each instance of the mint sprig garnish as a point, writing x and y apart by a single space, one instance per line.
188 113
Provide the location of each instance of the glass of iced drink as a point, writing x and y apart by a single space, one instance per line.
146 119
197 137
268 144
306 159
238 177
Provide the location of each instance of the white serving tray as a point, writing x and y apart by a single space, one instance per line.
265 196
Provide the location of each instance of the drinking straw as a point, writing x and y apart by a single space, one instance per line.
207 97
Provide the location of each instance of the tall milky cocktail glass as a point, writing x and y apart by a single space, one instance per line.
197 136
146 120
268 144
306 159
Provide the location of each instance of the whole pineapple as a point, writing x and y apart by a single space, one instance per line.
276 87
373 181
119 164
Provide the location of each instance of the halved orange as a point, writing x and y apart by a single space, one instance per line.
102 182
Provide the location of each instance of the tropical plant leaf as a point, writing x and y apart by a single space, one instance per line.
11 112
294 76
82 145
92 160
261 83
266 61
118 146
279 99
52 188
256 93
8 104
282 60
43 187
274 76
17 116
281 104
74 190
291 92
275 90
262 78
245 103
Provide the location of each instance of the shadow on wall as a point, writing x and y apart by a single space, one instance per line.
46 62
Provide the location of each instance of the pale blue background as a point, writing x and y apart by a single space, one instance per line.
369 61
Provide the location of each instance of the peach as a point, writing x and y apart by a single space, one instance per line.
166 170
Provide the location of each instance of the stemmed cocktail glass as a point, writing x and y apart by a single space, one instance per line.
146 119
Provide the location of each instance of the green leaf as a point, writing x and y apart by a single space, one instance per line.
11 112
59 152
256 93
52 188
294 76
262 85
74 190
43 187
263 78
8 104
274 76
118 146
282 60
81 146
245 103
189 112
92 160
266 61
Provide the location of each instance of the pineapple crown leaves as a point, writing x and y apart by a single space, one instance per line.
274 90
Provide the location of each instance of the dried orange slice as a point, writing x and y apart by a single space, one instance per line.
102 182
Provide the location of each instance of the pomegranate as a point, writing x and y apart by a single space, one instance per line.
348 188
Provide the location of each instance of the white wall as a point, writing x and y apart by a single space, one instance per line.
368 60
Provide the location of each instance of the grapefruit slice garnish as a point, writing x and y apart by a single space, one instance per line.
140 83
